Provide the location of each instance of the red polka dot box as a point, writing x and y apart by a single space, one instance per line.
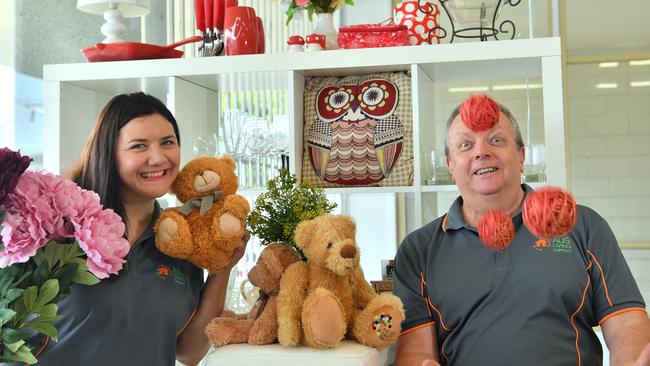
421 19
373 36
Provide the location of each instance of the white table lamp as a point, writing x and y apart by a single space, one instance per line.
114 12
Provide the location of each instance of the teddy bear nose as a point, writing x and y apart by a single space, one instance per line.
348 251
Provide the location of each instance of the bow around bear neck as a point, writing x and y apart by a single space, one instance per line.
204 202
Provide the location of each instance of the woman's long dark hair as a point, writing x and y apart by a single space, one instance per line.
96 168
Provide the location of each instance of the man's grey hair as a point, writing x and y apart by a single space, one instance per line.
503 109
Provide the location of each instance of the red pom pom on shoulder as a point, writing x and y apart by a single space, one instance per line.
479 112
549 212
495 229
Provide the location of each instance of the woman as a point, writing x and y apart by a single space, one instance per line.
157 308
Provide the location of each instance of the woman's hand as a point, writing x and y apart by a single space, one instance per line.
239 252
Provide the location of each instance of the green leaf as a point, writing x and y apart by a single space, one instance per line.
24 354
9 296
48 311
85 278
42 272
13 347
47 292
349 2
290 15
25 276
69 252
10 335
7 276
46 328
6 315
29 297
66 274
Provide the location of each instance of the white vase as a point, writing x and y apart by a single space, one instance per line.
325 26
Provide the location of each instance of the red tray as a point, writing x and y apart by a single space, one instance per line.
122 51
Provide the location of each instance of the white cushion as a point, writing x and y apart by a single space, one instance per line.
348 353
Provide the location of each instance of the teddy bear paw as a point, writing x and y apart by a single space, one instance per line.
384 327
173 238
166 231
325 323
230 224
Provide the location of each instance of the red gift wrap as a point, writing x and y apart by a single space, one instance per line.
372 36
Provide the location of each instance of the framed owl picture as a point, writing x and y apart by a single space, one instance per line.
358 131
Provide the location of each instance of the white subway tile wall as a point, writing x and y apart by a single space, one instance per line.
609 151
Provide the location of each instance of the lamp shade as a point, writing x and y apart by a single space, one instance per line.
129 8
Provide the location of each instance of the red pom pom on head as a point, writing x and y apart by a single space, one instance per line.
549 212
479 112
495 229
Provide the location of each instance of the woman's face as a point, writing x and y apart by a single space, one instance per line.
147 157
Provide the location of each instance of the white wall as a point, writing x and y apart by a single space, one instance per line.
609 144
609 149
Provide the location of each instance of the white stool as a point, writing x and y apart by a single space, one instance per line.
348 353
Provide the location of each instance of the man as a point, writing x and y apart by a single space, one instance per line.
535 302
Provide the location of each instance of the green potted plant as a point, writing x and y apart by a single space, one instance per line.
283 206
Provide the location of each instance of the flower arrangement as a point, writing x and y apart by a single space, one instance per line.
53 234
280 209
294 8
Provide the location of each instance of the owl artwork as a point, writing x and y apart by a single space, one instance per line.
356 138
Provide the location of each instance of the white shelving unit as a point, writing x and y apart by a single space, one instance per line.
75 93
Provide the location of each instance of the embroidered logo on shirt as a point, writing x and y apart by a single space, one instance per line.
541 244
176 274
179 277
163 271
561 245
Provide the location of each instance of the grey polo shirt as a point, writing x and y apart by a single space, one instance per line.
129 319
534 303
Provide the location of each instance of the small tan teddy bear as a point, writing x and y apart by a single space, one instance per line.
327 297
260 325
209 226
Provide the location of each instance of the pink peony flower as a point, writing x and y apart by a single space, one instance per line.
22 235
302 3
30 218
100 236
69 198
47 207
32 196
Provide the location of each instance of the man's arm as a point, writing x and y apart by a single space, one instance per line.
627 335
415 347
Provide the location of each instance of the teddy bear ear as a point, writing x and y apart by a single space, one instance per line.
230 162
347 226
304 231
271 257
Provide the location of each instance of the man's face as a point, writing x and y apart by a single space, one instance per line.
485 162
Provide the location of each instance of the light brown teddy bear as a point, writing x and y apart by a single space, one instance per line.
209 226
327 297
260 325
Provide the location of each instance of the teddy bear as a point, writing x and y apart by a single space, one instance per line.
260 325
208 227
327 298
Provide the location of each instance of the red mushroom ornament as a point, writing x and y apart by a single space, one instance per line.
315 42
295 43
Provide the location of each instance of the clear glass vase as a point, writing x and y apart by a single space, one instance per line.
325 26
